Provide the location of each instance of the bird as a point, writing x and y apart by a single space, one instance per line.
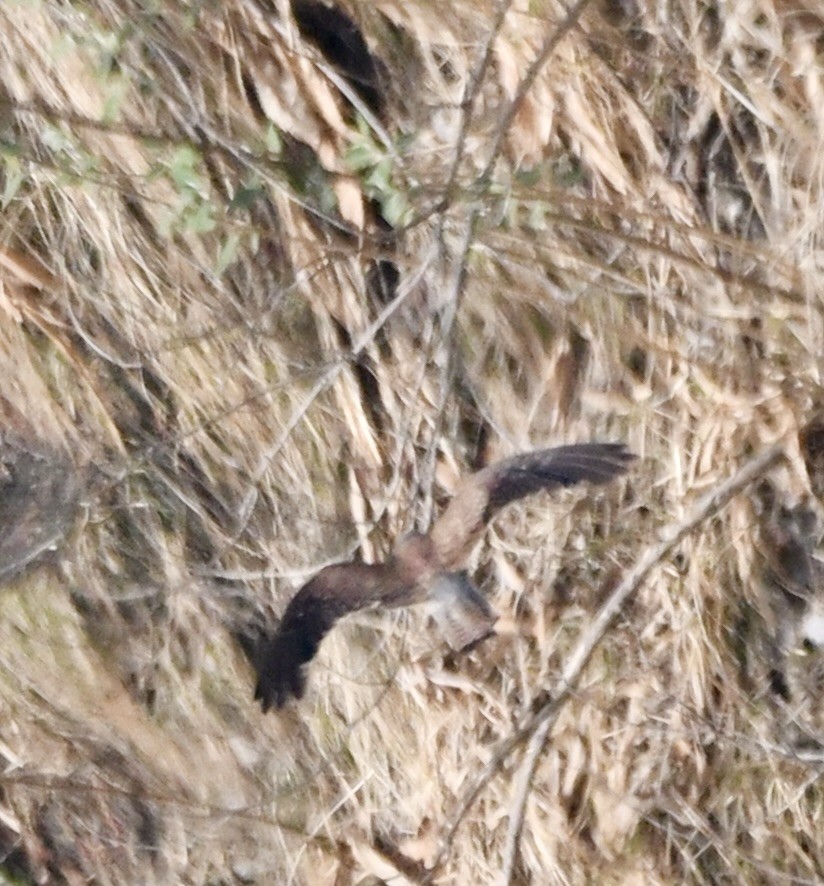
811 444
424 567
793 575
40 494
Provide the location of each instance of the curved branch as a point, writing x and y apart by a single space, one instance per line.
536 726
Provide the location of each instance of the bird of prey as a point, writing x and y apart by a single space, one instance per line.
425 567
811 443
783 647
792 575
39 498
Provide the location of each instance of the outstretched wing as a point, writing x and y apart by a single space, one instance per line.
461 612
483 494
787 543
811 438
39 493
332 593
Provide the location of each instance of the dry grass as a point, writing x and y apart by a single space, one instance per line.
601 226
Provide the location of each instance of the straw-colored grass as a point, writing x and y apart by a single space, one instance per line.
594 223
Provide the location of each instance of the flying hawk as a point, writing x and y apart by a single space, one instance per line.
793 576
425 567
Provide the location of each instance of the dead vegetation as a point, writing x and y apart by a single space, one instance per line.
271 278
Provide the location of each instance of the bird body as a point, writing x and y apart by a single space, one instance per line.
425 567
793 576
461 612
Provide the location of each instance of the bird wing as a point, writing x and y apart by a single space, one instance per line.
790 576
461 612
788 542
39 493
811 438
334 592
484 493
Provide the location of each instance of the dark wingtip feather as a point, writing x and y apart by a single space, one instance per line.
596 463
306 621
276 685
280 669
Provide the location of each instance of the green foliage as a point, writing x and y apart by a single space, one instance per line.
13 173
377 166
192 210
227 252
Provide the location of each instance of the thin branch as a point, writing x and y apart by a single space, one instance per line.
550 45
538 724
473 87
505 123
522 788
446 326
321 385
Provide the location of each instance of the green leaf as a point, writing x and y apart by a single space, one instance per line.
116 89
184 168
396 209
14 175
227 253
361 156
272 140
201 220
244 198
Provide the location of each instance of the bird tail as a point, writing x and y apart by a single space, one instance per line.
461 612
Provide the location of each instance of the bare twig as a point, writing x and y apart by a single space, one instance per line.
550 45
323 383
470 94
447 348
521 790
473 87
536 726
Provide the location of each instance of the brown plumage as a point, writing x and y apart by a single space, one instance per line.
425 567
793 576
811 440
39 492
